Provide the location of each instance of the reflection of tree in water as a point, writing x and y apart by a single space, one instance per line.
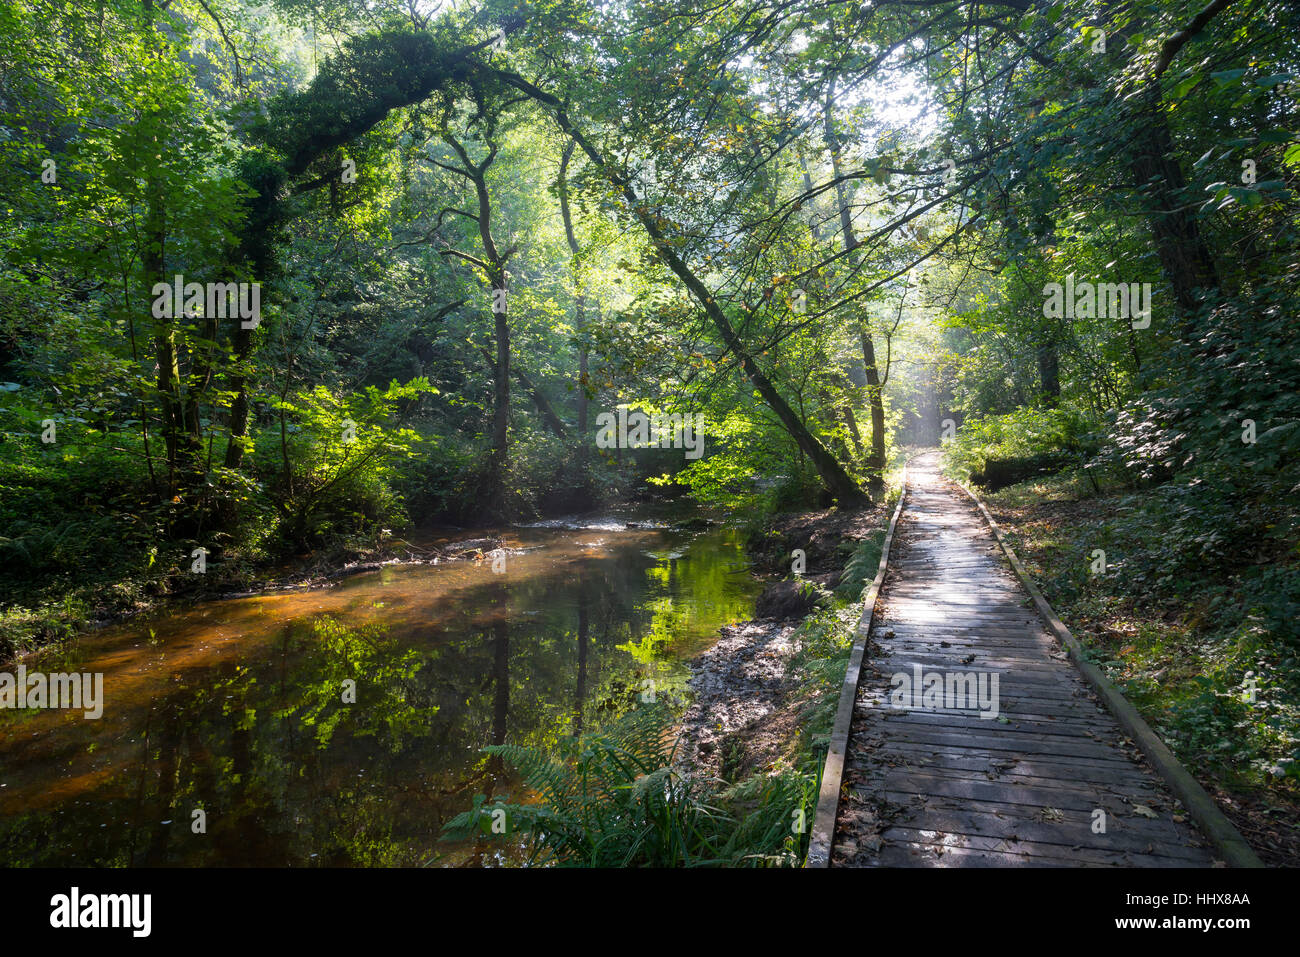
553 652
500 678
584 625
290 774
270 751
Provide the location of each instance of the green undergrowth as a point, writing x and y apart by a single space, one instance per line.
1026 435
619 798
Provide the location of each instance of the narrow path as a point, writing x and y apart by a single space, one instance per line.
930 782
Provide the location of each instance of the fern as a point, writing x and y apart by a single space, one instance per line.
861 567
618 798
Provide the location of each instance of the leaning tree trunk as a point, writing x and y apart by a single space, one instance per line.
836 480
876 462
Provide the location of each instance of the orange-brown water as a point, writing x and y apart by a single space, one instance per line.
237 707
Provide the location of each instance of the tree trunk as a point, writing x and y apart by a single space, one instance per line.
876 461
579 308
501 400
1049 374
239 409
200 380
493 265
1184 254
164 335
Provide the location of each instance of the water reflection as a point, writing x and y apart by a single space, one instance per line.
244 709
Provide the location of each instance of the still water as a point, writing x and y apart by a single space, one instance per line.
236 707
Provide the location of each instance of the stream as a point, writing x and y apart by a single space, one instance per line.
236 708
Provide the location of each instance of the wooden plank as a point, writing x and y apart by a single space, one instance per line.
1069 825
1029 690
1044 727
977 851
1020 707
884 775
1117 772
974 791
1009 742
1033 641
1073 854
942 659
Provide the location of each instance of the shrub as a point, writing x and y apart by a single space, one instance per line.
1050 436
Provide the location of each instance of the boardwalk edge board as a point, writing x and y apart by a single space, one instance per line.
1221 832
828 798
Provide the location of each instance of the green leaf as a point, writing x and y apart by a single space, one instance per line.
1226 77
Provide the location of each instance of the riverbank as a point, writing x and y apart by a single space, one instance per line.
764 693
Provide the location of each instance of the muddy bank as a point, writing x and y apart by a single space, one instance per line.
738 721
748 711
826 537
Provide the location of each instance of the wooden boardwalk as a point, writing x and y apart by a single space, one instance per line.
1050 781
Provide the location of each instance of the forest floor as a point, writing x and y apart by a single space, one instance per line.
1150 651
